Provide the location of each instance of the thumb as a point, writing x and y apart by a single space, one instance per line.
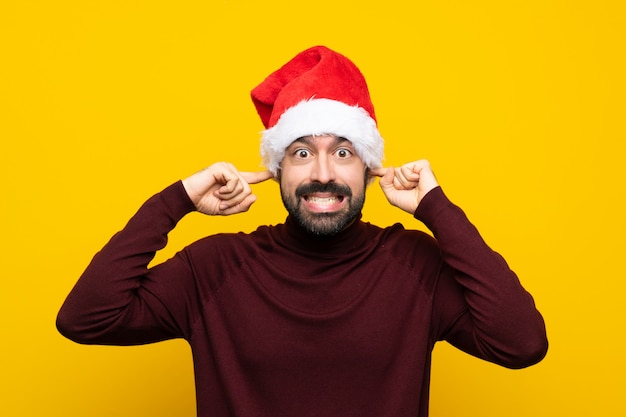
256 177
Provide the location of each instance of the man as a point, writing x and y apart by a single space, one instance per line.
324 315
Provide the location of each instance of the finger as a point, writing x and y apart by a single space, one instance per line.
256 177
227 208
233 186
411 172
237 190
387 179
407 177
234 199
238 194
378 172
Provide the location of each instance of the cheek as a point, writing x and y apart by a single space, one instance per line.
355 178
291 177
287 185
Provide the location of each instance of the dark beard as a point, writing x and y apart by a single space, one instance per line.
324 224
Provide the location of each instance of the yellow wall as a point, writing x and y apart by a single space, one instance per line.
519 105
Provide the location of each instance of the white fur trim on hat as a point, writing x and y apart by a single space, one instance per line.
322 116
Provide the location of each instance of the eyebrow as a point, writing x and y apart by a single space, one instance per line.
307 140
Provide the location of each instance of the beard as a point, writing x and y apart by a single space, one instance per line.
324 224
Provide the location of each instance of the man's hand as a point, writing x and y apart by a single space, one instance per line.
405 187
222 190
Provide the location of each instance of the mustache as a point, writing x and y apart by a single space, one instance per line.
330 187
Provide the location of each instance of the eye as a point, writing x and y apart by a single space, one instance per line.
343 153
301 153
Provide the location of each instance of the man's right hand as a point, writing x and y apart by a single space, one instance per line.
222 190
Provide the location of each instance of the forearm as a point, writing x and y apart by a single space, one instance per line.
108 295
502 323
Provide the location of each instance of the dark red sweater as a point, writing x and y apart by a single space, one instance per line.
283 324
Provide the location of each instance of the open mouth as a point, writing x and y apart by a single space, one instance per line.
324 202
324 198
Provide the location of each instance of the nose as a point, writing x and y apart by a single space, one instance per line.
323 170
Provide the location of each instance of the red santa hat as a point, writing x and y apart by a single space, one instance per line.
318 92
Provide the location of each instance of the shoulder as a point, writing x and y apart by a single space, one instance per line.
399 237
417 250
233 243
222 242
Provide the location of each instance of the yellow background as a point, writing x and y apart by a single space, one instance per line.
519 105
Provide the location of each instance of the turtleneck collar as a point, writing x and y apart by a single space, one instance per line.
292 235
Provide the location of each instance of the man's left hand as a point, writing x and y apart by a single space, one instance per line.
405 187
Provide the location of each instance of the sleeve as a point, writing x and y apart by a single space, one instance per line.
479 303
116 299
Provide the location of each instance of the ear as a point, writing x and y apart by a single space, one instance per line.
368 178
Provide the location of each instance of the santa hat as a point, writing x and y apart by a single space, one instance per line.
318 92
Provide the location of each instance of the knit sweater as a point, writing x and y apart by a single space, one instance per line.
285 324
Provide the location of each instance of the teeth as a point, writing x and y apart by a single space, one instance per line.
322 200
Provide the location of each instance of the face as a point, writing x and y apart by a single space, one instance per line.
322 183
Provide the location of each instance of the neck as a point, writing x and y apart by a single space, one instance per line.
344 240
